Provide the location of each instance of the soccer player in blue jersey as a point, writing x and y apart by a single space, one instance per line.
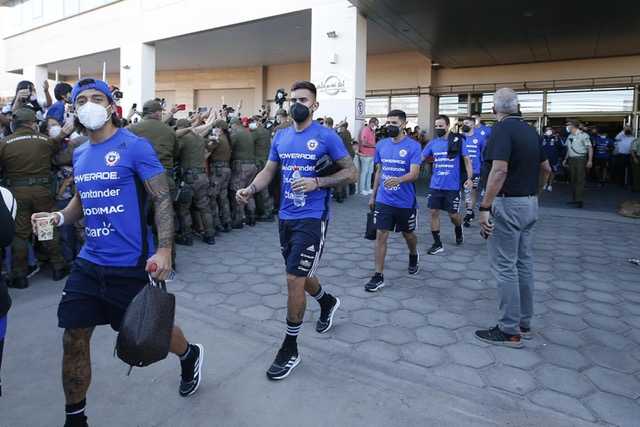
480 126
475 143
398 162
303 226
604 149
553 149
115 172
444 191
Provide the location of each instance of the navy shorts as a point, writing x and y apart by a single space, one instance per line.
602 163
446 200
301 243
98 295
390 218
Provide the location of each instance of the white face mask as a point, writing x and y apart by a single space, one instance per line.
339 130
549 133
54 131
93 116
568 129
253 126
375 127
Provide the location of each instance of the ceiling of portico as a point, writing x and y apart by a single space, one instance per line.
453 34
285 39
471 33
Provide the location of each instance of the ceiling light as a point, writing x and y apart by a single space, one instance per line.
332 35
406 30
297 27
527 14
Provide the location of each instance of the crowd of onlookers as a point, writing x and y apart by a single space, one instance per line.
234 148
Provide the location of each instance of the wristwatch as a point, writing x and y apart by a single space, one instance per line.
483 208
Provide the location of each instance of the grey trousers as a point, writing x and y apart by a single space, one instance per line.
511 259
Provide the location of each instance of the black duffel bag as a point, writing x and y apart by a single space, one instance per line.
145 332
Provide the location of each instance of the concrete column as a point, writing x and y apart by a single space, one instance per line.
339 65
260 89
427 113
137 73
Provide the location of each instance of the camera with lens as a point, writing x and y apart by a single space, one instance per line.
117 93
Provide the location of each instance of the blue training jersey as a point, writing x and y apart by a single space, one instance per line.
604 147
109 178
396 160
475 145
446 171
304 149
484 131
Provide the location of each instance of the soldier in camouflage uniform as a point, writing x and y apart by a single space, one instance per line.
220 175
164 140
274 187
262 145
26 160
196 185
345 135
243 170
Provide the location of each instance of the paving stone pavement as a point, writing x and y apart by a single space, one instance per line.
583 363
584 359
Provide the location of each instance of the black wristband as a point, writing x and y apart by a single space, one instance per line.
484 208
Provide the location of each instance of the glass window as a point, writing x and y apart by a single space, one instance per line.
599 100
453 105
408 104
376 107
26 15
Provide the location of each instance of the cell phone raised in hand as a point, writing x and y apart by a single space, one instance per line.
134 106
182 107
202 109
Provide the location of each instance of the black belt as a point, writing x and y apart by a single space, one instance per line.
26 182
194 170
501 194
221 163
244 162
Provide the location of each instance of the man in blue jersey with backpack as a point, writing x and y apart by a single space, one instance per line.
444 190
115 172
398 162
303 226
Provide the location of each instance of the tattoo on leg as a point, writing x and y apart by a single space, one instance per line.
76 364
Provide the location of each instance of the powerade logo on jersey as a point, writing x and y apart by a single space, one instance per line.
403 153
96 176
312 144
112 158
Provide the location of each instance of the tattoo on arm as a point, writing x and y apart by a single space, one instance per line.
348 174
158 191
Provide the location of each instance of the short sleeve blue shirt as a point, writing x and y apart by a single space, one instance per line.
604 147
109 178
304 149
484 131
396 160
475 144
446 171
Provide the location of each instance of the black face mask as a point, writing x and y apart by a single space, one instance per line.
393 131
627 132
465 128
441 132
299 112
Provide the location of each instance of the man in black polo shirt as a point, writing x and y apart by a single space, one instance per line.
514 171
